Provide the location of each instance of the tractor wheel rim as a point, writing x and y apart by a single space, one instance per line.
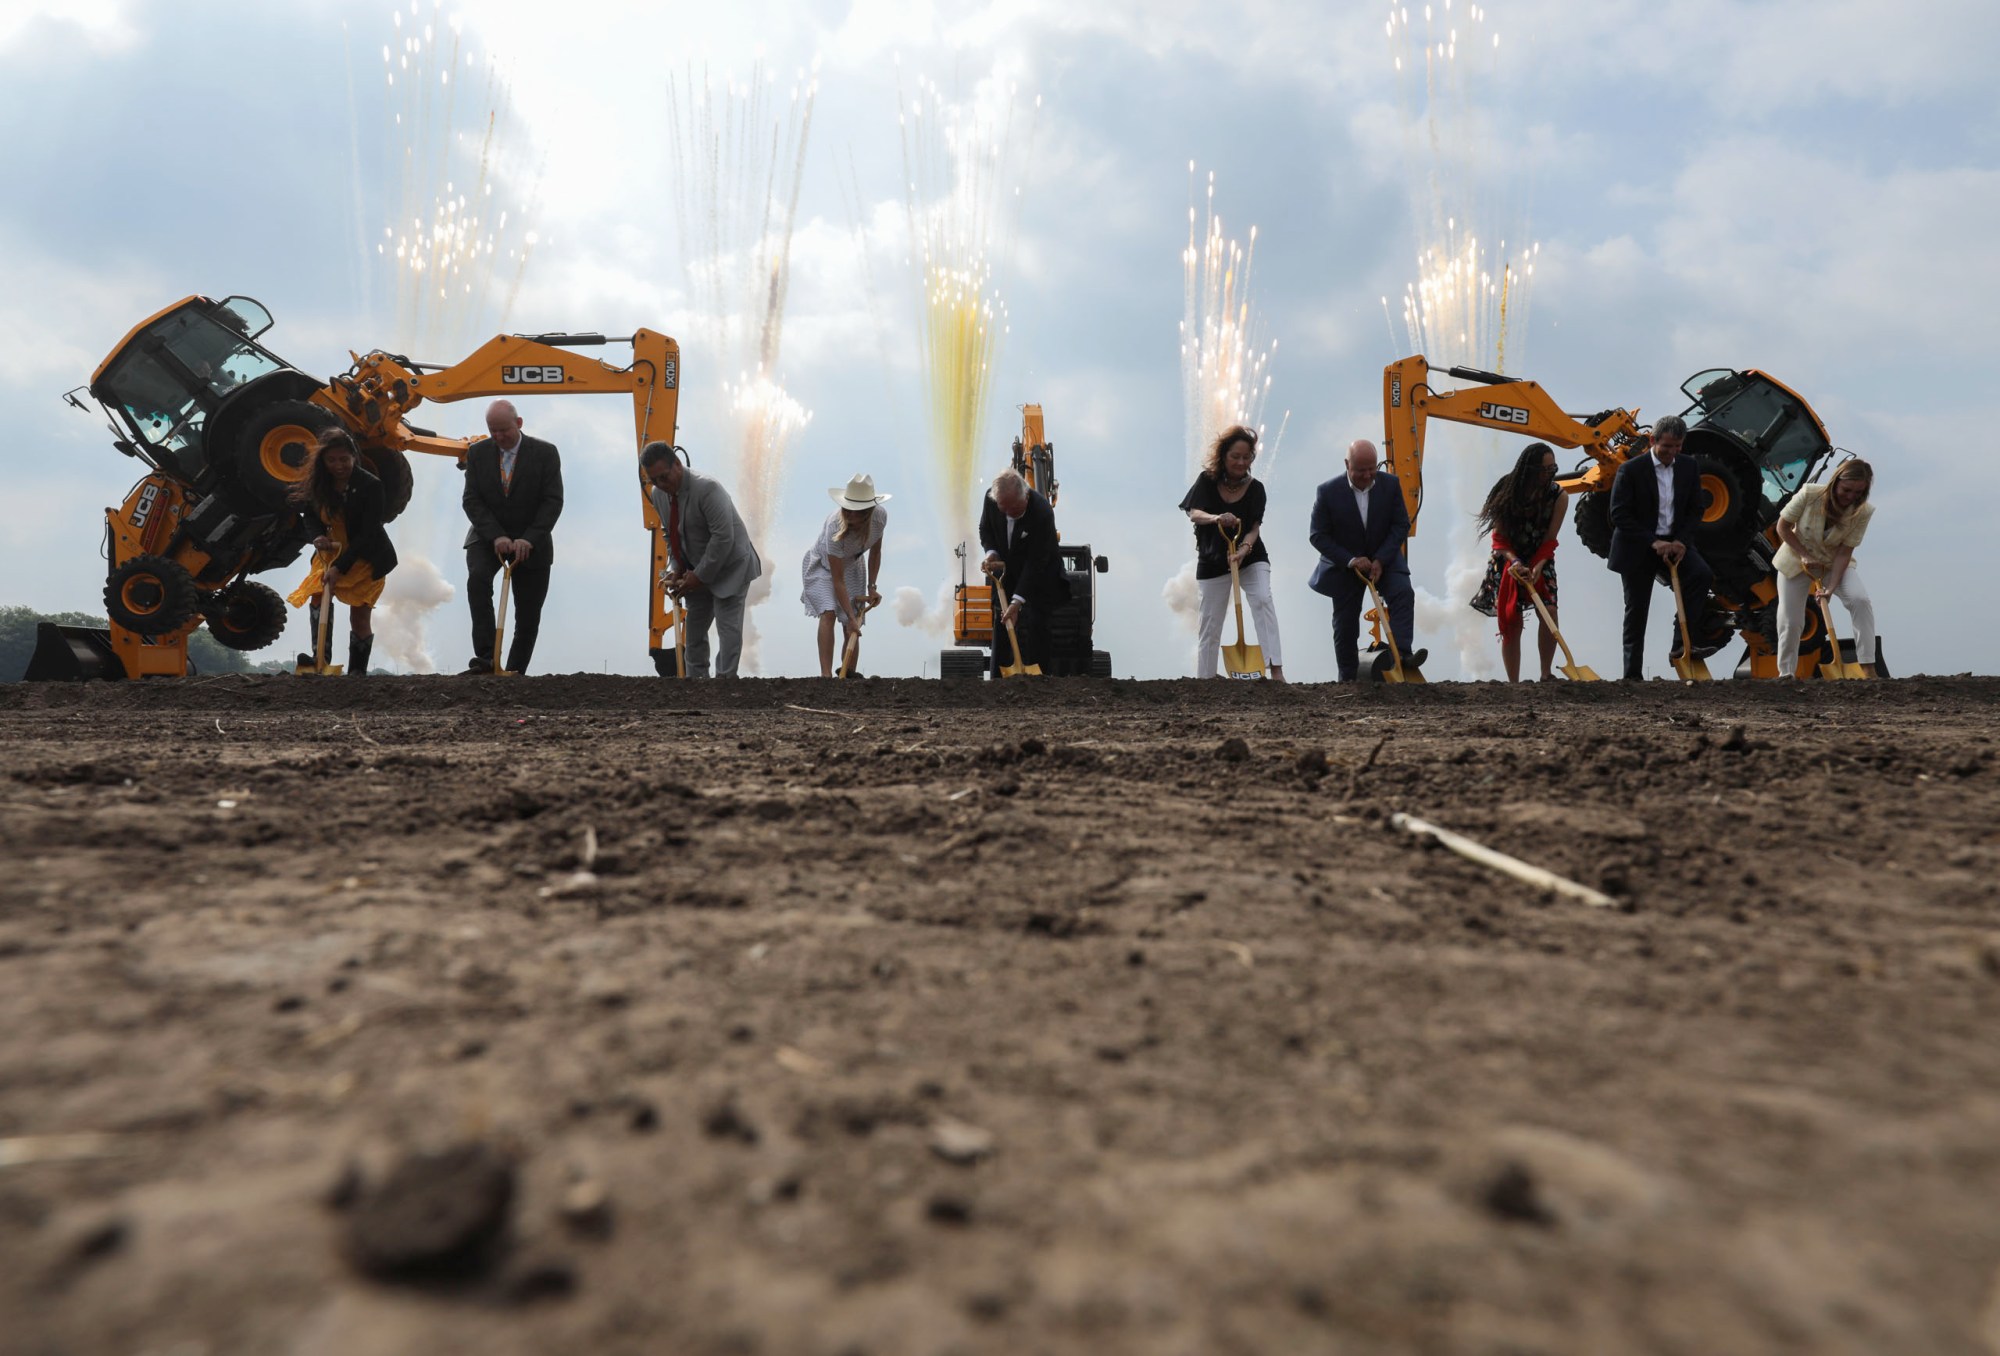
1718 499
142 595
284 451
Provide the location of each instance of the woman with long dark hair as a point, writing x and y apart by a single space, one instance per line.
1818 530
343 505
1523 512
1226 505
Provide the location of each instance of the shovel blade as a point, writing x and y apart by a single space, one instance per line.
319 671
1693 670
1020 670
1243 661
1581 673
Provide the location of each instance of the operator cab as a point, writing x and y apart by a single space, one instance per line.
170 375
1777 429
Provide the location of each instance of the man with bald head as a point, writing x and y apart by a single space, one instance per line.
513 495
1359 522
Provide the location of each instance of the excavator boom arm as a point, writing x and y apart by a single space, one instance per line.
1409 403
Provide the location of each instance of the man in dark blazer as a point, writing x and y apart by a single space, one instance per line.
513 495
1018 529
1655 505
1359 521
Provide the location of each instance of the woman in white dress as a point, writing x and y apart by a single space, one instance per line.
852 537
1817 533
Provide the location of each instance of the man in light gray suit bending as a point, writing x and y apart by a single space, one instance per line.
713 560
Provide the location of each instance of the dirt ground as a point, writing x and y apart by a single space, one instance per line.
896 1017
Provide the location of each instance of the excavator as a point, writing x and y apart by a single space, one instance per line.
224 427
1754 440
1070 626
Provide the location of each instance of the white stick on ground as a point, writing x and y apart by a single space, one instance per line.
1501 862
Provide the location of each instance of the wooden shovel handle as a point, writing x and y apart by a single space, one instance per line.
1388 628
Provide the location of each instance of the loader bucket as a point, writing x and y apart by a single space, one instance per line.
67 654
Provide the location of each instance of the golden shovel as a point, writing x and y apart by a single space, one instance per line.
851 651
1240 660
1835 666
500 622
1395 673
680 637
1571 669
1685 664
320 652
1017 669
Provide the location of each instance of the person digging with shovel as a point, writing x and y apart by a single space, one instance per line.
1018 529
842 566
1818 529
1655 507
1523 513
1359 525
1227 502
342 505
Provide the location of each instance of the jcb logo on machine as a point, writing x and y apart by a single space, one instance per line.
147 498
531 376
1503 414
1395 393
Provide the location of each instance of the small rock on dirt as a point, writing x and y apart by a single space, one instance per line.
436 1215
957 1141
725 1120
586 1209
1232 750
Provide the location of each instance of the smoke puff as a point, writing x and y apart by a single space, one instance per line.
414 590
910 609
1183 597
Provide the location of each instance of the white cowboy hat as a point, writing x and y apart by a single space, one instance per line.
859 494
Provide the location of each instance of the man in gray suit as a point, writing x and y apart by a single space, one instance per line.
712 556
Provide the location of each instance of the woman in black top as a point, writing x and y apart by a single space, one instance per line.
1523 512
1226 506
343 506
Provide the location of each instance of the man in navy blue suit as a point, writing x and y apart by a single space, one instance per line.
1655 504
1359 522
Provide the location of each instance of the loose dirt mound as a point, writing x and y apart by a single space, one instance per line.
614 1015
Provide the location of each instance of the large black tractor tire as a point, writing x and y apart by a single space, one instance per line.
1593 522
392 468
271 451
1100 664
151 596
1728 504
245 616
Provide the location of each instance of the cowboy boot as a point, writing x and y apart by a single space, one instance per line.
357 654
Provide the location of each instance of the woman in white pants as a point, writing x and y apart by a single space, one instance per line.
1227 503
1818 530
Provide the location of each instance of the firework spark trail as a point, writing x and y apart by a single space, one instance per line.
1225 365
737 166
443 246
959 165
1469 302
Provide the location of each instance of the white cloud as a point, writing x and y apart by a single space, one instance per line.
106 25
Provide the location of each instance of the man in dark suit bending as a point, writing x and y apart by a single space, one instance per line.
1018 529
1359 522
1655 505
513 495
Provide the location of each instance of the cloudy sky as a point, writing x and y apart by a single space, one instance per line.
1802 186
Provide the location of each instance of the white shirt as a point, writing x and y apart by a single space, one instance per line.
1361 498
1664 475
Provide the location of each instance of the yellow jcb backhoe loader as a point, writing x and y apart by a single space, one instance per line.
1070 626
224 426
1754 440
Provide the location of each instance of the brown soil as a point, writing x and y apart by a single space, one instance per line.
953 1019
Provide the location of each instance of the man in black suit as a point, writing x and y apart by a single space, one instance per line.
1018 529
1359 522
513 495
1655 504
